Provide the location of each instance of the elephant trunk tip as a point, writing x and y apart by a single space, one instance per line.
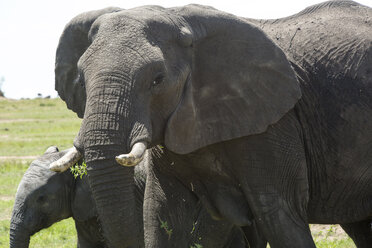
135 156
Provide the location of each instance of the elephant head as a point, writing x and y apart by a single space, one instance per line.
45 197
184 77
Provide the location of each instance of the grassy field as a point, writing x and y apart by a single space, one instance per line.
27 129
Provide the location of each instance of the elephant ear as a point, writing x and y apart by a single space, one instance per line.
72 44
240 83
51 149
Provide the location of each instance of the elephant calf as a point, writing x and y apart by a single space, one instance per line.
45 197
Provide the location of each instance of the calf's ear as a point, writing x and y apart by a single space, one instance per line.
51 149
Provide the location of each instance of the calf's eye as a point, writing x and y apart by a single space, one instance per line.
41 198
158 80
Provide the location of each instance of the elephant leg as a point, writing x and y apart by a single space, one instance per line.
254 236
272 170
360 233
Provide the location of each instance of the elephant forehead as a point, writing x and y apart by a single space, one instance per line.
145 20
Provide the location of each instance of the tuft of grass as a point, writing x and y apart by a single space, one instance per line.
79 170
164 225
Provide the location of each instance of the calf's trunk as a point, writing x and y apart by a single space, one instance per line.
19 235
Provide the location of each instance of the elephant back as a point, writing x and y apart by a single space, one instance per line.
327 38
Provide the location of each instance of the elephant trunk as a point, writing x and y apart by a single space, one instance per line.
109 129
18 239
113 190
19 235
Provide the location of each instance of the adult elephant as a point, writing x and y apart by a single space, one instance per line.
45 197
282 127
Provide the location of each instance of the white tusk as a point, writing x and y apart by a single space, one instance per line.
66 161
134 157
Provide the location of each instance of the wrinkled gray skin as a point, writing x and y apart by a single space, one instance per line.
45 197
272 117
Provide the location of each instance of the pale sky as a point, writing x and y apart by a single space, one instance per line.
30 30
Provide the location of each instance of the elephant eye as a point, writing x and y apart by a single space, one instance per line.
158 80
41 198
80 79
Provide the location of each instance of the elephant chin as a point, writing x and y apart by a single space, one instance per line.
134 157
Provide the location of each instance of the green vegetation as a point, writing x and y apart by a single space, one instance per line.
330 236
61 234
344 243
28 128
79 170
167 230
